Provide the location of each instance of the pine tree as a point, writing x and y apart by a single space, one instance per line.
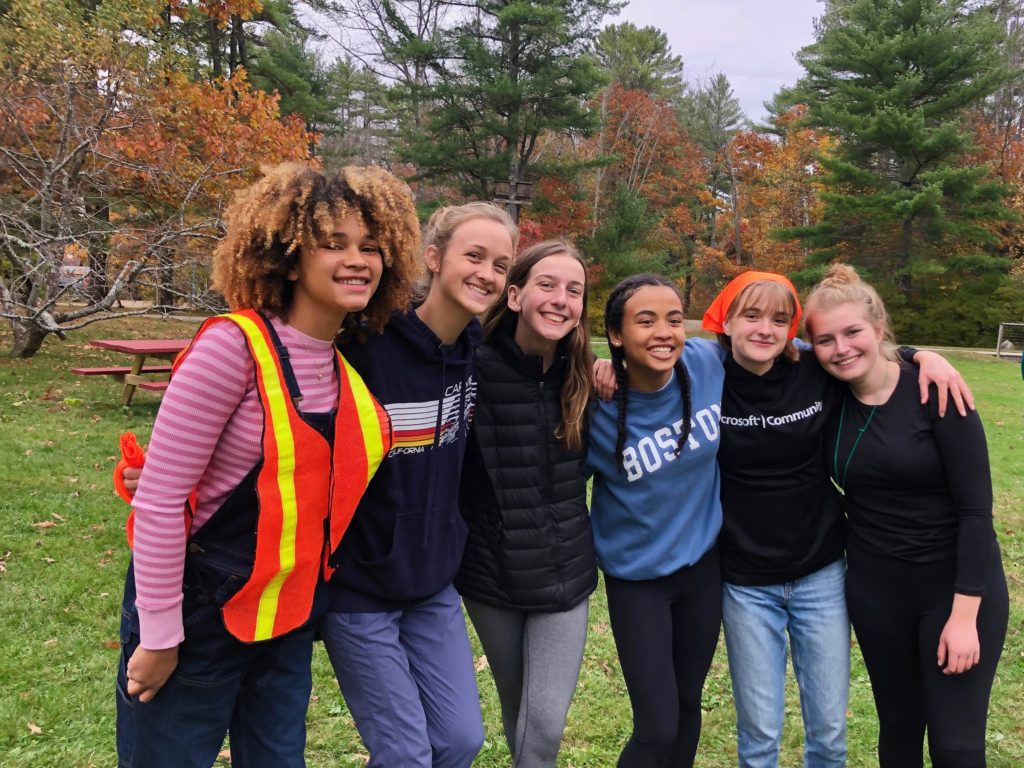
712 116
640 59
892 80
513 70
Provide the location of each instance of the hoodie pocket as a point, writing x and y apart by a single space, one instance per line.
426 549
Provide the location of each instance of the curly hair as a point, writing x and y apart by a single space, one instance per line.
295 207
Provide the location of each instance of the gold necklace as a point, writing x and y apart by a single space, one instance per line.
319 365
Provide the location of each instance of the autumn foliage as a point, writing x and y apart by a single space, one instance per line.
115 158
776 175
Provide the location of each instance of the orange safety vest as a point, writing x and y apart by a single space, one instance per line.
302 484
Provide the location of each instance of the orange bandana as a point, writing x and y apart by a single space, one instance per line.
714 318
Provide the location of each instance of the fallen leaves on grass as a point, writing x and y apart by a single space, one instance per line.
34 729
481 663
45 524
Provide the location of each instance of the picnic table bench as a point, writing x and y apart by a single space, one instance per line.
152 378
120 371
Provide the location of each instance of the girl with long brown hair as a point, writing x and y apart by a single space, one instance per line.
529 563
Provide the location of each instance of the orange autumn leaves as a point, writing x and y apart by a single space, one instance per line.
98 105
643 145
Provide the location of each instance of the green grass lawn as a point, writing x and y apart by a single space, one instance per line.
63 555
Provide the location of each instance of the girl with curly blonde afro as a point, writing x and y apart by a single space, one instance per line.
266 436
293 208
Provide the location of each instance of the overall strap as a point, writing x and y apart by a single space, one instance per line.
284 357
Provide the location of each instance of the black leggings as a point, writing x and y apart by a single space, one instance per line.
898 610
666 631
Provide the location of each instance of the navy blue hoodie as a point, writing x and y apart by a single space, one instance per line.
406 539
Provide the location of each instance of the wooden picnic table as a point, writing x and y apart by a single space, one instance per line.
137 374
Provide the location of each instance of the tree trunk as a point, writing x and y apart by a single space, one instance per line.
213 37
688 279
239 56
28 338
97 284
165 297
904 280
737 219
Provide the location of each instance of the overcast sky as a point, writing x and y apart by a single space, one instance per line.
752 42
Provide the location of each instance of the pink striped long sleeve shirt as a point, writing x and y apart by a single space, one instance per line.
207 436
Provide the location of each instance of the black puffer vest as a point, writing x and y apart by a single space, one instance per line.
523 496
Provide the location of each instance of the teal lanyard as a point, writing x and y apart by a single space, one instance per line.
837 481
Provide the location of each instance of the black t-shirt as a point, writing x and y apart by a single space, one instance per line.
918 488
781 516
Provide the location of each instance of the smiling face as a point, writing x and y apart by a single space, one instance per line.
651 337
471 272
758 327
845 341
549 303
337 276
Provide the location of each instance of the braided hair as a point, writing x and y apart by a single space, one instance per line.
613 313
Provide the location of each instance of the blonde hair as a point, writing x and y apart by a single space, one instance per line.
842 285
294 207
770 297
446 220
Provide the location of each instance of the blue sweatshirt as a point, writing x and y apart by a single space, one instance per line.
663 511
406 539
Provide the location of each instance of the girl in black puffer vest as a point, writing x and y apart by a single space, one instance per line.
529 564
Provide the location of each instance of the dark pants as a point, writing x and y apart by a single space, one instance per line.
257 691
666 631
898 611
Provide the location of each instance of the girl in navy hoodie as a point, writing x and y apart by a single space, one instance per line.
395 631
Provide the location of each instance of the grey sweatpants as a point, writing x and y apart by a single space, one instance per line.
535 659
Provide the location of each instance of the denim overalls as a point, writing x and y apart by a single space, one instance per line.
257 691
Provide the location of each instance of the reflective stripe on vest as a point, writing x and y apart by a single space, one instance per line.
301 484
362 452
297 495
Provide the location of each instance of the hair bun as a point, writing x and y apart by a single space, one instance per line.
841 274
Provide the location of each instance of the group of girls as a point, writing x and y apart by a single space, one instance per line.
220 616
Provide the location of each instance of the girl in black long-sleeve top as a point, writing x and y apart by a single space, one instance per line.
925 587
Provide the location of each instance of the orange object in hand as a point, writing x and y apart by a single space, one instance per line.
132 455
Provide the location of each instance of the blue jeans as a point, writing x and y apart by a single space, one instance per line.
812 610
408 679
257 691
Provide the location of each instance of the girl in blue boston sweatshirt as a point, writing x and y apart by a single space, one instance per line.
656 514
395 632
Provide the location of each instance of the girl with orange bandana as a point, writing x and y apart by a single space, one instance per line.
782 536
